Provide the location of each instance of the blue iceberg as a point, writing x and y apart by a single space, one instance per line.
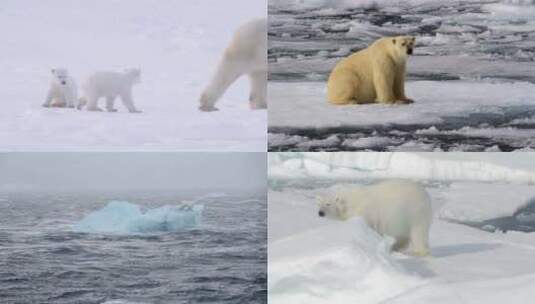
127 218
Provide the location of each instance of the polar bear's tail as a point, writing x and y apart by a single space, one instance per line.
82 101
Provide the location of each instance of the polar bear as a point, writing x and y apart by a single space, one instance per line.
110 85
63 91
373 75
246 55
397 208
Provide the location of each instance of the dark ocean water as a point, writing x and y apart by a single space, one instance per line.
43 261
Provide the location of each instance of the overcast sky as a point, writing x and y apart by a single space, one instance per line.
80 171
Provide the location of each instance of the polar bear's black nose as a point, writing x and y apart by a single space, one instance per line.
409 51
64 82
321 213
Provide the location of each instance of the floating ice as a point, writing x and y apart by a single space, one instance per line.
124 218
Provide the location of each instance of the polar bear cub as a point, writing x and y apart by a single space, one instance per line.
110 85
373 75
397 208
246 55
63 91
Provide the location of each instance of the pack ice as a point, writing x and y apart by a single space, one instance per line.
122 217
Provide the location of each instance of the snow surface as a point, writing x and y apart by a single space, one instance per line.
317 260
304 105
176 44
120 217
490 167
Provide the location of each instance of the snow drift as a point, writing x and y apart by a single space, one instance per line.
339 263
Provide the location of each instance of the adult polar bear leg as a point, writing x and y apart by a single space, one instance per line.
257 100
399 88
383 85
246 54
229 69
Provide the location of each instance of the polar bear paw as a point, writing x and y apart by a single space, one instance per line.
95 109
206 108
404 101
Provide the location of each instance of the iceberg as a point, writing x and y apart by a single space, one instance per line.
122 217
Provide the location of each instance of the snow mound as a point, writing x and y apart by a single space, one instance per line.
346 262
126 218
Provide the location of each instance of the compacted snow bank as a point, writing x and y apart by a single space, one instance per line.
422 166
339 263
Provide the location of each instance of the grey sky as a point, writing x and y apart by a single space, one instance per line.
79 171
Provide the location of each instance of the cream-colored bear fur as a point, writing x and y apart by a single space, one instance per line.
397 208
373 75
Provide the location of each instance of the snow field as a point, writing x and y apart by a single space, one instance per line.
176 44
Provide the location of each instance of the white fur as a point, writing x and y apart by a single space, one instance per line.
110 85
246 55
63 91
397 208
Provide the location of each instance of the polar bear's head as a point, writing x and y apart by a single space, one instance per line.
334 207
60 76
403 45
